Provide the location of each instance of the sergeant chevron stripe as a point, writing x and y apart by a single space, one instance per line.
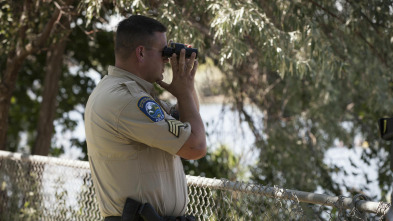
174 126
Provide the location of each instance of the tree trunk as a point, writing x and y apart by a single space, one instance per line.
54 63
7 86
14 62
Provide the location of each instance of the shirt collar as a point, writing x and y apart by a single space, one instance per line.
118 72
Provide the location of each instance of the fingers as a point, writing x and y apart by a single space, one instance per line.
194 68
190 63
181 65
174 64
182 61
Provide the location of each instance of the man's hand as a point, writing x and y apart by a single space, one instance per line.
182 87
183 75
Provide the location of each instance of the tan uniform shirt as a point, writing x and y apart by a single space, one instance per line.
132 142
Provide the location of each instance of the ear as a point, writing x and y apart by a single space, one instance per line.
140 53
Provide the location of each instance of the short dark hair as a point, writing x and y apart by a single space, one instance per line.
134 31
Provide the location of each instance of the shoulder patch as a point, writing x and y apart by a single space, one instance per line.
174 126
151 109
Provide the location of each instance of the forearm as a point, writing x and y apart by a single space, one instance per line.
189 112
182 87
195 146
194 98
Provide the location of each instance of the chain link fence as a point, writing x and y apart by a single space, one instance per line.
47 188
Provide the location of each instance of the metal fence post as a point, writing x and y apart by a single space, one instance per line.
386 131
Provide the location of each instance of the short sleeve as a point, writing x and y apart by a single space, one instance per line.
170 109
144 120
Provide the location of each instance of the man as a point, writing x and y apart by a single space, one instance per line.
134 144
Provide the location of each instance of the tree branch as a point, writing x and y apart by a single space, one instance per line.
356 32
367 18
327 11
40 41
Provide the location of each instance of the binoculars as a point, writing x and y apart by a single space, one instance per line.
168 51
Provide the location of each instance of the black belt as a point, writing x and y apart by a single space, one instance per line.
136 211
118 218
112 218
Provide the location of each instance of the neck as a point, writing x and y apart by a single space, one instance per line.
128 66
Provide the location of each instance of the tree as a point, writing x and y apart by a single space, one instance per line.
54 60
22 37
35 106
318 71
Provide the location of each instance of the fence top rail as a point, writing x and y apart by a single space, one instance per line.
359 202
45 160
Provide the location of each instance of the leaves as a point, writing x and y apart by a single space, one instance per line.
319 71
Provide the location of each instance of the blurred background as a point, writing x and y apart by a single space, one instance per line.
290 91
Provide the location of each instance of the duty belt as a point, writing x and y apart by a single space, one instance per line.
136 211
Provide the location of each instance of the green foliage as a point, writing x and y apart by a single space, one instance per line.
25 103
317 70
221 163
88 49
20 198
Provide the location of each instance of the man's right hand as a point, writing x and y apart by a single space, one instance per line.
182 87
183 75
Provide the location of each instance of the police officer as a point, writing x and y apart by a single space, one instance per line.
134 140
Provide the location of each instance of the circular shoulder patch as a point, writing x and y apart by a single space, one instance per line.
151 109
